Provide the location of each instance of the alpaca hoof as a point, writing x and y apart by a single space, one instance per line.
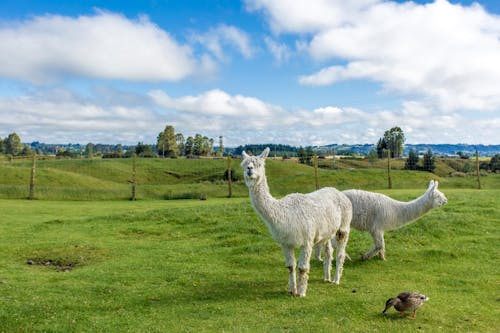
327 281
336 282
300 295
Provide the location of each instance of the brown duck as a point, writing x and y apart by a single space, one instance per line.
407 301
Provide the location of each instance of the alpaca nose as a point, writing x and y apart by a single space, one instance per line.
250 171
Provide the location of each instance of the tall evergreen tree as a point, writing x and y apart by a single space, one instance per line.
381 148
189 146
429 161
220 152
198 145
412 161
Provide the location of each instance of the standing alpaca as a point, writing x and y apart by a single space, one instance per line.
300 220
377 213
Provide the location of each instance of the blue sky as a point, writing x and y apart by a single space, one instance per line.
302 73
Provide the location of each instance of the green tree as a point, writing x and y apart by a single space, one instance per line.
167 143
394 140
13 144
27 151
412 160
429 161
89 150
2 148
382 148
179 139
305 155
144 150
220 152
198 145
189 146
495 163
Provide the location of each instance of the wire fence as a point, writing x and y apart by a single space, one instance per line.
47 178
133 178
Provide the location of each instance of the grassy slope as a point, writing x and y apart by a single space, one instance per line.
184 266
181 178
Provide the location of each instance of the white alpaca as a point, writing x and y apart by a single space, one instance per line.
300 221
377 213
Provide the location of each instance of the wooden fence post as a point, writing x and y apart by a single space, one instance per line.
477 169
32 179
389 177
229 176
315 161
134 157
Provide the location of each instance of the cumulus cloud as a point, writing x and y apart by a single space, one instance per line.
59 116
443 52
104 45
108 116
217 102
216 39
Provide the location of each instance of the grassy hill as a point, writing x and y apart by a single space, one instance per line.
99 179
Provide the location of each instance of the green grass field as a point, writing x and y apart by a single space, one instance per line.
101 179
211 266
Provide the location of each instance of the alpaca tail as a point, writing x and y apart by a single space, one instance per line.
388 304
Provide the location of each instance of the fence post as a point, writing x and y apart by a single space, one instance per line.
389 177
315 161
32 178
477 169
229 176
134 157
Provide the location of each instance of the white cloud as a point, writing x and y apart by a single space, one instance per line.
280 51
223 35
104 45
443 52
217 103
59 116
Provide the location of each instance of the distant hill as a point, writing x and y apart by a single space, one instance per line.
437 149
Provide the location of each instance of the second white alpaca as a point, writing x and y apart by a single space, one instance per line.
300 221
377 213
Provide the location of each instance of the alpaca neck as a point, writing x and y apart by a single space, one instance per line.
410 211
262 200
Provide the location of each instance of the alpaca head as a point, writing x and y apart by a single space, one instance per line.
437 197
254 167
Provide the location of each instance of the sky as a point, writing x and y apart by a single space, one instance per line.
302 72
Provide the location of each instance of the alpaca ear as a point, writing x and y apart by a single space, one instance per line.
431 184
264 153
245 155
436 184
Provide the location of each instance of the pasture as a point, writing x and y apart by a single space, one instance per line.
82 258
211 266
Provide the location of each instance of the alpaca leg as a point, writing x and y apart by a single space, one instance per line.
381 245
342 237
378 240
291 264
327 264
317 252
305 258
